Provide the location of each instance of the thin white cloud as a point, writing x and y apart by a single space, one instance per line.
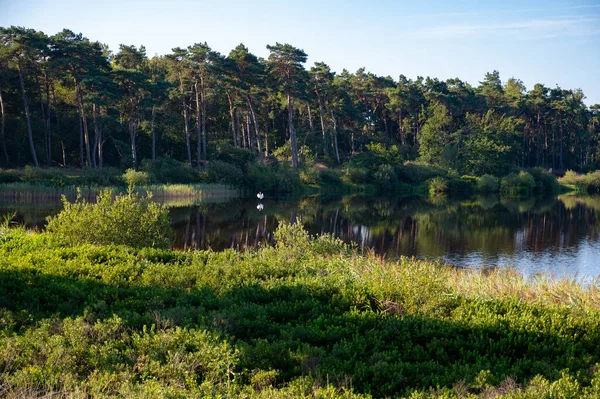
545 27
500 12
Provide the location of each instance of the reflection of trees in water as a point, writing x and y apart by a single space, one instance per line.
407 226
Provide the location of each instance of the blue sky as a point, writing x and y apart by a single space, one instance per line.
551 42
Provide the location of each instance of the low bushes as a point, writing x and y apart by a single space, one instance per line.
104 177
545 182
9 176
135 178
123 220
223 173
487 184
167 170
272 179
417 173
309 317
589 182
517 184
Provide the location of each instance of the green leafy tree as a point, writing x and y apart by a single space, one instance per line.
24 48
491 143
130 75
435 136
285 66
79 60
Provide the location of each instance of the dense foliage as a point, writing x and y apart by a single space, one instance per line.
69 101
121 220
306 318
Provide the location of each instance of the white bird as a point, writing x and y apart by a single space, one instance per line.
260 207
260 195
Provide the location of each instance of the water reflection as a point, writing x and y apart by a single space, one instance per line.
558 235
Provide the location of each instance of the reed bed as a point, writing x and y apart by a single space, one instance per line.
188 193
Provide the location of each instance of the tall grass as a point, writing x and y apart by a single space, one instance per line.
31 193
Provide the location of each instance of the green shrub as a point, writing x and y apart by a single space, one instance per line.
272 179
135 178
464 184
283 153
487 184
438 185
309 175
53 177
329 178
239 157
124 220
571 178
223 173
592 181
358 175
167 170
104 177
545 182
417 173
9 176
391 155
521 184
589 182
385 178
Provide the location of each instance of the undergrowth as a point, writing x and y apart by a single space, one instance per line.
308 317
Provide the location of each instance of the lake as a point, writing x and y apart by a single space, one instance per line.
558 235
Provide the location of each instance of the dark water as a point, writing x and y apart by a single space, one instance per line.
560 235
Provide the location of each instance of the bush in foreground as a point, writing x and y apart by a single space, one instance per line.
123 220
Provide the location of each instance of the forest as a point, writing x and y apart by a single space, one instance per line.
67 101
101 303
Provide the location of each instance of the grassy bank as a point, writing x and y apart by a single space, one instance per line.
306 318
379 170
36 192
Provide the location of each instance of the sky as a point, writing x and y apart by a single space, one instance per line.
551 42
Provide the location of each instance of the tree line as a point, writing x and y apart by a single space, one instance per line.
68 101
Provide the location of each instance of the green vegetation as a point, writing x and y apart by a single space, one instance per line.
128 220
582 183
309 317
197 116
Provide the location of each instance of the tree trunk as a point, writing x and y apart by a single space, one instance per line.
312 130
28 118
259 146
231 115
45 109
86 136
2 124
100 146
293 144
48 130
198 126
249 130
560 142
97 137
153 130
266 132
55 111
335 140
185 120
402 140
241 129
81 160
132 137
203 122
322 125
